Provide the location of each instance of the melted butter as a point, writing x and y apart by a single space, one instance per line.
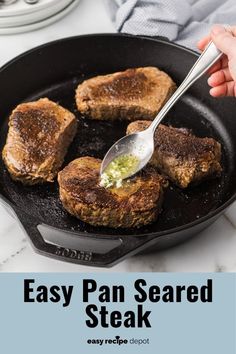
120 168
128 188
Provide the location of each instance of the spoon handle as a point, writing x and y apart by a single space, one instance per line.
209 57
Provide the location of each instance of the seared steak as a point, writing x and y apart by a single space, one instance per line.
136 203
181 156
38 138
131 94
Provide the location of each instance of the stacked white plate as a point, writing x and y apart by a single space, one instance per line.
22 17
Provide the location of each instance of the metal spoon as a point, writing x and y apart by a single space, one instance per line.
141 144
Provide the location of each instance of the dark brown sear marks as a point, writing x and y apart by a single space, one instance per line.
128 85
179 142
37 129
182 144
82 183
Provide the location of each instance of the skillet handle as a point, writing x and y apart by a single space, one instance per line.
89 250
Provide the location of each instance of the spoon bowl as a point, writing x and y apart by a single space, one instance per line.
139 145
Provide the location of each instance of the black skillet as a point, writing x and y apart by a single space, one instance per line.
54 70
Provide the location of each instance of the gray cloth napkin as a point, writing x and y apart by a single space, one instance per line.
182 21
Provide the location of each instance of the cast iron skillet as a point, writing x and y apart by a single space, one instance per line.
54 70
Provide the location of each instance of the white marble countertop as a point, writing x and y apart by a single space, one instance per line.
212 250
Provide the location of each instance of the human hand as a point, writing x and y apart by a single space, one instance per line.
223 74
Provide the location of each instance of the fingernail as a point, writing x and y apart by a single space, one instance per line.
209 81
212 92
217 29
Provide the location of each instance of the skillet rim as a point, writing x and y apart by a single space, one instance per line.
7 203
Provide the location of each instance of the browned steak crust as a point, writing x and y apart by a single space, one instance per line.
181 156
130 94
136 203
38 138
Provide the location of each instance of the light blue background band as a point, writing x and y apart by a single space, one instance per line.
182 328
